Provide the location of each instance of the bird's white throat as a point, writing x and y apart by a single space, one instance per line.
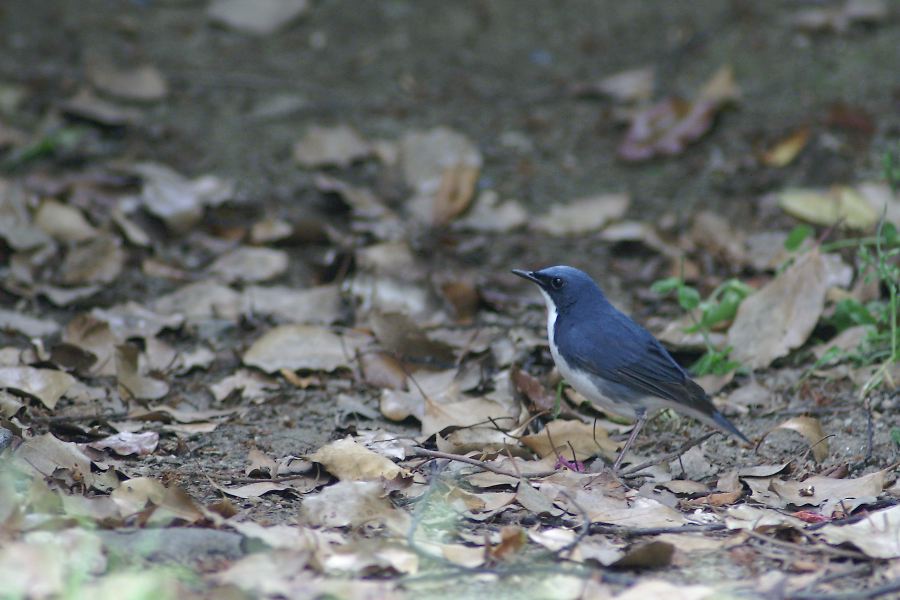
551 320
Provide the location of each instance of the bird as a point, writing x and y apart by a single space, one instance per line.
611 360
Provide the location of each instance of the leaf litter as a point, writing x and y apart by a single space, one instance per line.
454 448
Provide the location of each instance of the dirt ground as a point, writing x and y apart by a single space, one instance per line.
503 73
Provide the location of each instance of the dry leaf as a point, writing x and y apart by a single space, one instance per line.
811 429
132 382
86 105
172 503
252 385
177 200
201 301
247 264
583 215
99 260
441 166
489 214
63 222
46 454
353 503
876 534
347 460
46 385
583 438
126 443
321 305
786 150
26 325
840 204
257 17
302 347
142 83
634 85
830 493
781 315
668 127
331 146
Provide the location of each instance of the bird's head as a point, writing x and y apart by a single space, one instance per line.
564 286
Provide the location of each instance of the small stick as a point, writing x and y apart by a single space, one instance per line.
478 463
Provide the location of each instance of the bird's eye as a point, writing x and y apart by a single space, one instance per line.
557 282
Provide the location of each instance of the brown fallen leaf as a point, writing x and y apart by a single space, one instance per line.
786 150
876 535
830 493
131 381
669 126
176 199
98 260
353 503
780 316
171 503
315 305
646 555
568 436
380 369
307 347
717 499
347 460
47 385
46 453
811 429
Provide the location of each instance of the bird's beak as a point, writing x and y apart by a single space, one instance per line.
529 275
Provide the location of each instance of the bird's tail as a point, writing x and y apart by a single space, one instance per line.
726 426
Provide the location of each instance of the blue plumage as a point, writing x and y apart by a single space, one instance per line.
610 359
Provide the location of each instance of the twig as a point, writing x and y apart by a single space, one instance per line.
642 531
811 548
678 452
478 463
873 592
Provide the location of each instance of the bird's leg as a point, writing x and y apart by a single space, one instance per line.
641 414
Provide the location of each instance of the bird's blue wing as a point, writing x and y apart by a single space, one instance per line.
621 351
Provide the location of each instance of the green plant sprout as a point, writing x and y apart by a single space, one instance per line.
720 307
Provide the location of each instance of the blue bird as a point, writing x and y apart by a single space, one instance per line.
611 360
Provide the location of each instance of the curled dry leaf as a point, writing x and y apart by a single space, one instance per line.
46 385
331 146
252 385
177 200
402 336
172 503
582 215
668 127
811 429
250 264
131 320
568 436
256 17
95 337
347 460
780 316
126 443
305 347
441 166
132 382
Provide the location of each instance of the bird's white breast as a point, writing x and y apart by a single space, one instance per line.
576 378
